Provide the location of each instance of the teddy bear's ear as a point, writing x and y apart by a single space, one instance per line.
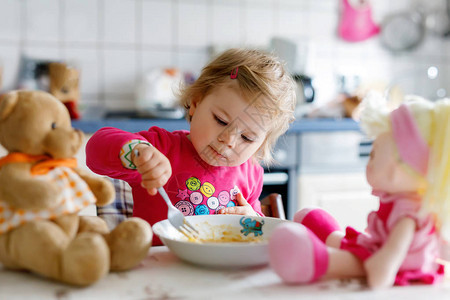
7 104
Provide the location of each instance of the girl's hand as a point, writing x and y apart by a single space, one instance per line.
242 208
152 165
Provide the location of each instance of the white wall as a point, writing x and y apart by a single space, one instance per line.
115 41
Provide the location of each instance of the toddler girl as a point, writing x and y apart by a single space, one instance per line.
241 103
409 171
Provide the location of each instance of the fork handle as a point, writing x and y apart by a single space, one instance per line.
164 195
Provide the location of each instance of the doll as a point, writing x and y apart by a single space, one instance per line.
409 170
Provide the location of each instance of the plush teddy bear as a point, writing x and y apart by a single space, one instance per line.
42 191
64 85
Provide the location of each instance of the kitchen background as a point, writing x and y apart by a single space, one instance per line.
114 43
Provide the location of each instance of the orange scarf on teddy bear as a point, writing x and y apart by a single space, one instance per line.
44 163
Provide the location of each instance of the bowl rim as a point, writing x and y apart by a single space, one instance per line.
263 241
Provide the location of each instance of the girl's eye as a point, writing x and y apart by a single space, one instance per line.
53 125
220 121
247 139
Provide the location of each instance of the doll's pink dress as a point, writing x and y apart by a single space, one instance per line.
420 262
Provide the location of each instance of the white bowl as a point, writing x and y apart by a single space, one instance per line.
221 254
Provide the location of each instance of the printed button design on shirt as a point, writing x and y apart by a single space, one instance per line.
202 210
224 197
196 197
185 207
182 194
201 198
193 184
207 189
213 202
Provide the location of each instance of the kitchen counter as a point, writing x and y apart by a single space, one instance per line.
163 276
134 125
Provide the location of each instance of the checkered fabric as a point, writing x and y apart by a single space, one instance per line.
121 208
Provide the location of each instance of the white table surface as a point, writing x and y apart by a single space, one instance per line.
163 276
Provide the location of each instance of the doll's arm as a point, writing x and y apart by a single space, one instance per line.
382 266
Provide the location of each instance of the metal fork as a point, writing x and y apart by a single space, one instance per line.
177 219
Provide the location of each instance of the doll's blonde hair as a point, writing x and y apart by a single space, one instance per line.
258 74
433 121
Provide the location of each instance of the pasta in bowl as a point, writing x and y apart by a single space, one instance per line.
227 241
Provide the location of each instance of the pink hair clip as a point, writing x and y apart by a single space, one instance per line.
234 73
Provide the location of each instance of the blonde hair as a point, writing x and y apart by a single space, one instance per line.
433 120
258 74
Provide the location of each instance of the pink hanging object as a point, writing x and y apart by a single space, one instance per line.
356 22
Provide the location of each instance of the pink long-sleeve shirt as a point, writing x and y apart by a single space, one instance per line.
195 187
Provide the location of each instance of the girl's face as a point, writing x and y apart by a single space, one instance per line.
224 130
386 172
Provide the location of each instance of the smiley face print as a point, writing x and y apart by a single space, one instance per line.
224 197
207 189
193 184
